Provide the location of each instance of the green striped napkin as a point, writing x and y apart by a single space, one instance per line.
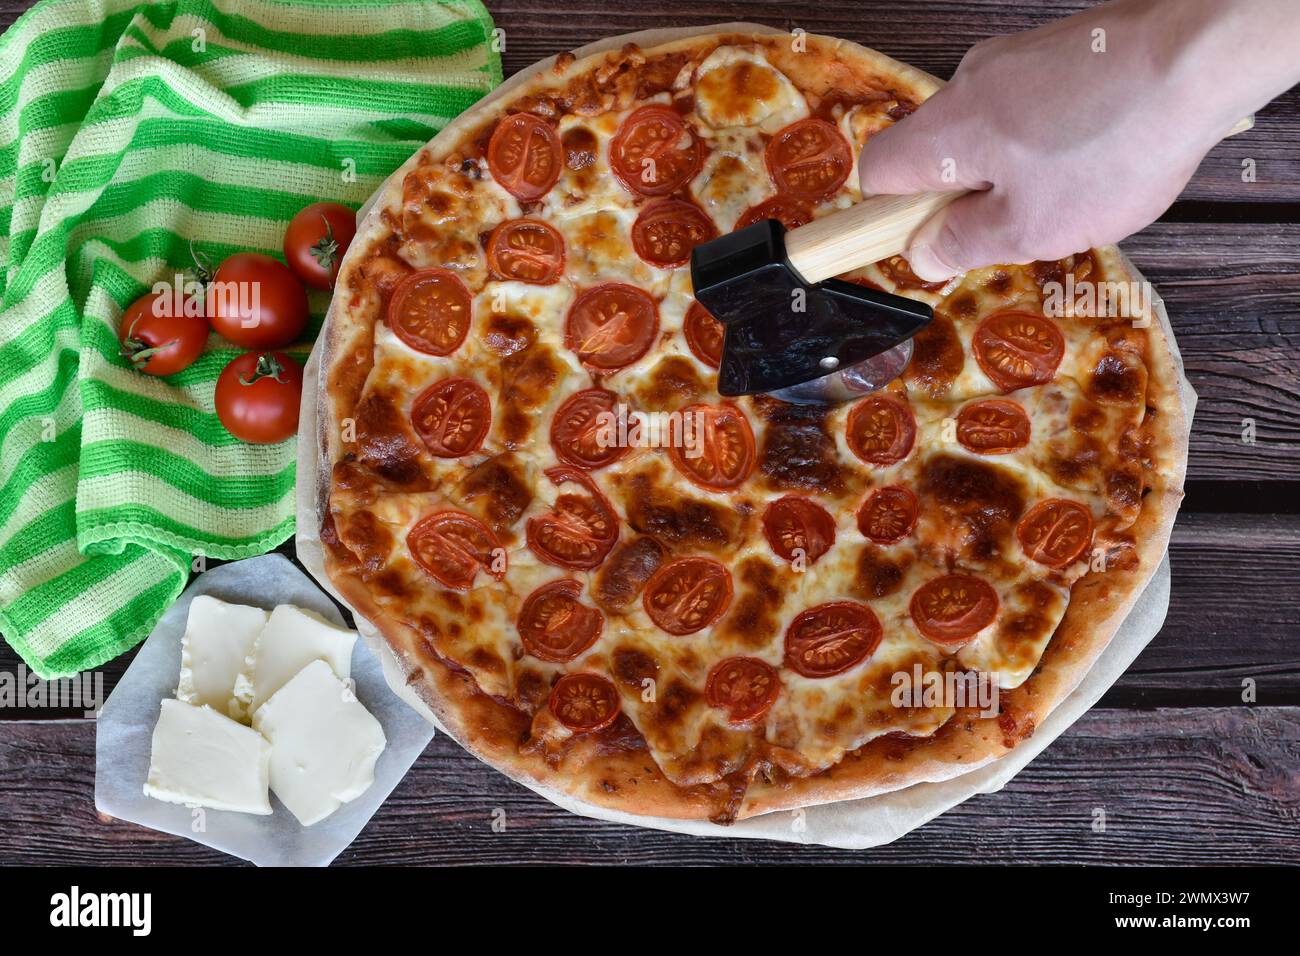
128 130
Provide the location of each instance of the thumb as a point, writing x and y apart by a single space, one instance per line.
918 154
975 230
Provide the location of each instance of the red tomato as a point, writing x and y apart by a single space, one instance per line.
316 241
256 302
454 546
526 250
687 595
452 417
745 687
830 638
993 426
1018 349
430 311
611 325
584 702
1056 532
809 159
578 426
704 335
791 212
554 625
725 453
654 153
953 608
524 156
257 397
668 229
795 526
157 342
580 530
881 429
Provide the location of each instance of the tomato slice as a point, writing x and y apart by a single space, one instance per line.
581 530
954 608
993 426
687 595
1055 532
830 638
899 271
667 230
808 159
526 250
430 311
1018 349
788 210
454 546
721 455
611 326
554 626
452 417
889 514
654 153
796 527
704 335
584 702
578 429
745 687
524 156
881 429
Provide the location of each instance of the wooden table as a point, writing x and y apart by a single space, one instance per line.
1185 771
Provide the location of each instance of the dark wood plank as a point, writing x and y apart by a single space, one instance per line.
1177 786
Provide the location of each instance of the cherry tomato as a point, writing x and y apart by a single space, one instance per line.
687 595
953 608
704 335
578 426
430 311
889 514
654 153
796 527
722 454
611 325
316 241
830 638
881 429
993 426
788 210
257 397
157 342
454 546
526 250
452 417
745 687
584 702
580 531
524 156
1055 532
899 271
554 626
256 302
1018 349
808 159
668 229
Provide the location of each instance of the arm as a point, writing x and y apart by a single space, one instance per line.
1075 137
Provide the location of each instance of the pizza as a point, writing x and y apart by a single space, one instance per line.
713 621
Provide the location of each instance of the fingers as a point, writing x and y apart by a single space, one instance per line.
976 230
921 153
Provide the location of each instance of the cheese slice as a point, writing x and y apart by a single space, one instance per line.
218 637
291 640
324 743
201 757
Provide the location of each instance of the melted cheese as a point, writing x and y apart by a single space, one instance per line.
735 87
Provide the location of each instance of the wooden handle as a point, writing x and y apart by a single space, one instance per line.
874 229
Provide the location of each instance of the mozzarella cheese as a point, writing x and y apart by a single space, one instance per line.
323 743
218 636
738 87
201 757
291 640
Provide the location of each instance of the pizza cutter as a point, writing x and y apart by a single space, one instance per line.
793 331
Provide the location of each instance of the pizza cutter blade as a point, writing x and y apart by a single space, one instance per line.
793 332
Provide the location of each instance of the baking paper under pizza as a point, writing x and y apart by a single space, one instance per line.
712 623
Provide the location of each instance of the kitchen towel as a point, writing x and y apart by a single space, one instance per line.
129 130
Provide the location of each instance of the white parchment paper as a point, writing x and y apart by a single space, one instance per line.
124 730
850 824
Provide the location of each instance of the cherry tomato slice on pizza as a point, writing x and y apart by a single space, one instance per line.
993 426
584 702
687 595
524 156
889 514
579 429
953 608
581 529
526 250
555 626
454 546
1055 532
452 417
899 271
430 311
667 230
808 159
788 210
722 454
654 153
611 326
745 687
1018 349
798 529
881 429
830 638
704 335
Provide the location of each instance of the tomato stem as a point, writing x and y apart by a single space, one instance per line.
268 366
326 250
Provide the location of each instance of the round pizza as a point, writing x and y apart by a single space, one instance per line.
611 582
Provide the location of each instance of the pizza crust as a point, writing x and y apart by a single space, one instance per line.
628 779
